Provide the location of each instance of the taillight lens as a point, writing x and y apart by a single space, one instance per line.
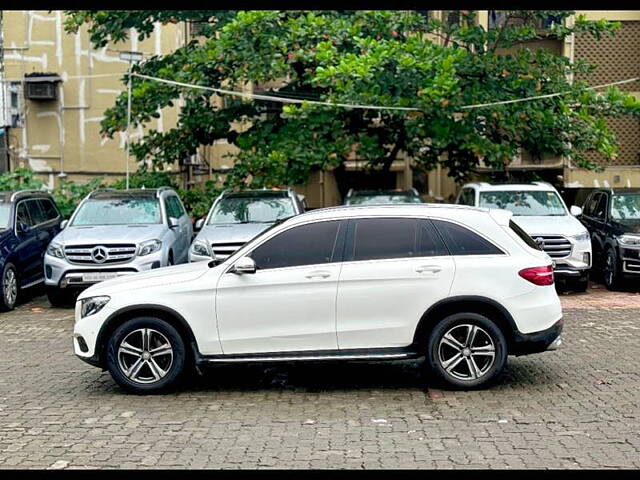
538 275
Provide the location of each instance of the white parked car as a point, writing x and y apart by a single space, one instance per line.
463 286
540 211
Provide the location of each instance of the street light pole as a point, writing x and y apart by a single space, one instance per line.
128 119
129 57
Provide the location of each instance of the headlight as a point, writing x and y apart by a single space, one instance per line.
581 237
629 239
55 250
148 247
92 305
200 248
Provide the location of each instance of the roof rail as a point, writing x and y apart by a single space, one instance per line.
98 190
15 195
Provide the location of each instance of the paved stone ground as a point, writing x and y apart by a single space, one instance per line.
578 407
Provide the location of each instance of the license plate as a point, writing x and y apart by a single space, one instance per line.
98 276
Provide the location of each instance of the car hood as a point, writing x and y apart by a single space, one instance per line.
626 226
234 233
105 234
151 278
550 225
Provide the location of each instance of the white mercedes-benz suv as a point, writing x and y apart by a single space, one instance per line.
462 286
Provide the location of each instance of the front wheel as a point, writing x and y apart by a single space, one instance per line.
611 271
467 350
59 297
10 288
146 355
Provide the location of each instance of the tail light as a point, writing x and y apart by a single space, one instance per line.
538 275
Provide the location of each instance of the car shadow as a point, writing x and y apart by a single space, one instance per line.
310 376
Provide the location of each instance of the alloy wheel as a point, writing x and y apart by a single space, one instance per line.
10 287
145 356
466 352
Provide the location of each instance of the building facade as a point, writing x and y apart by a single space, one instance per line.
57 87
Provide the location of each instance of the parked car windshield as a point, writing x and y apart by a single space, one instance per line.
5 215
525 203
118 211
251 210
381 199
626 207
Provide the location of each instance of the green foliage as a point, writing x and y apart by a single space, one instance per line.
20 179
385 58
69 194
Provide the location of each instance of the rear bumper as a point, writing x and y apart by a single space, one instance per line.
527 343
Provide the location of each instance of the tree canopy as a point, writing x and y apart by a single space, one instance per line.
379 58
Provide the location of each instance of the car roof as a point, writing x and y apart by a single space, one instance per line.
618 190
508 186
10 196
382 192
406 209
258 193
106 194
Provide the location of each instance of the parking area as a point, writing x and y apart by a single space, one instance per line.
578 407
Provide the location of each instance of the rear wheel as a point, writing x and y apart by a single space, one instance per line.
467 350
146 355
10 288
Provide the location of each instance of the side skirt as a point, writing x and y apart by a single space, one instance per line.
404 353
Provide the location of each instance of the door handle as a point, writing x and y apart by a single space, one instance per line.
318 274
428 268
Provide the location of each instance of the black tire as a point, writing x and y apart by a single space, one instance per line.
611 271
162 332
488 335
59 297
9 287
580 286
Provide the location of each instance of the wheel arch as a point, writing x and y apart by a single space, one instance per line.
162 312
465 303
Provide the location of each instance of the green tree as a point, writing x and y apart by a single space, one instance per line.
383 58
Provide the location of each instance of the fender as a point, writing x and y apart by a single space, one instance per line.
109 325
426 321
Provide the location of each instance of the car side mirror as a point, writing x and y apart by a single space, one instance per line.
199 223
575 211
63 224
244 265
22 227
173 222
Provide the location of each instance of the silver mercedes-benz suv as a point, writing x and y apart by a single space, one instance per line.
114 233
237 217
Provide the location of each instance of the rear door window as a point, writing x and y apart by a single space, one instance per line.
22 214
462 241
382 238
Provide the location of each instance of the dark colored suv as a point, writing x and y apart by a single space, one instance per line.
28 221
612 217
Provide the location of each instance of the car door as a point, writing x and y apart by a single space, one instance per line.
175 232
598 223
289 303
28 255
394 269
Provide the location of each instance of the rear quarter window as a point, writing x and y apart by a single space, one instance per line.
462 241
524 236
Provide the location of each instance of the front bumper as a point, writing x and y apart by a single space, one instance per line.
630 260
527 343
59 272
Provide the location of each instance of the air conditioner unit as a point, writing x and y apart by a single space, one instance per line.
41 86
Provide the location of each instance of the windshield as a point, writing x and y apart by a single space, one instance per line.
626 207
381 199
5 215
251 210
525 203
120 211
